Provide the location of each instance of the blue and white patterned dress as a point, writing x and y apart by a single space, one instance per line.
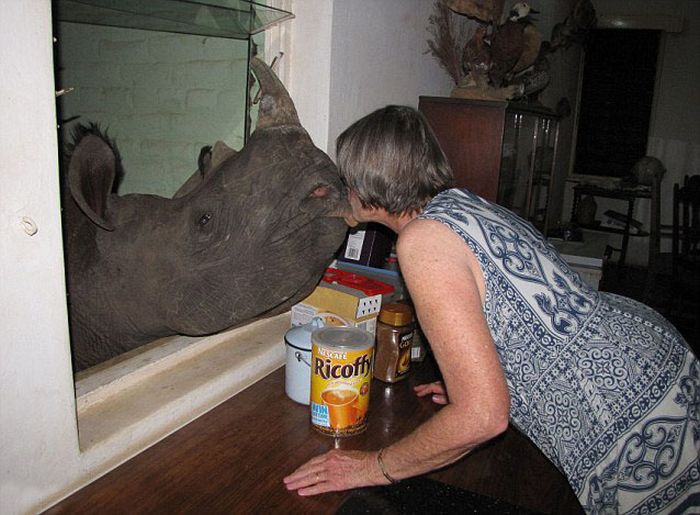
603 385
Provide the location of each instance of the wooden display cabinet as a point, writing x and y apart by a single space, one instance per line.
502 151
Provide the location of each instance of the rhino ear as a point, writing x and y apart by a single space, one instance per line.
91 174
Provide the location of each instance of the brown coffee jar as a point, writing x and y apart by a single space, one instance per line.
395 329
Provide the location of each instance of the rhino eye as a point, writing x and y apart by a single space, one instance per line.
204 219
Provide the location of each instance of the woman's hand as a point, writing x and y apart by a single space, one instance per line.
336 470
436 389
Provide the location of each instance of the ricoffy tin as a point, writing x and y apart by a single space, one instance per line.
341 373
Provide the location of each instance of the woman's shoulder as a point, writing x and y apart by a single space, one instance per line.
419 229
454 199
452 194
421 233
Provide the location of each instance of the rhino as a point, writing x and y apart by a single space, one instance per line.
248 235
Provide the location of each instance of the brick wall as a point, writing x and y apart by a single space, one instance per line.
162 96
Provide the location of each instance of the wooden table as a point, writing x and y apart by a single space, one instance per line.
630 196
233 459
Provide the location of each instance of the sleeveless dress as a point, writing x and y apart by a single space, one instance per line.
605 387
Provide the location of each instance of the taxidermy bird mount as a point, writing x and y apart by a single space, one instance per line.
515 44
500 55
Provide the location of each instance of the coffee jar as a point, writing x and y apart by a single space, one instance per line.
395 330
341 374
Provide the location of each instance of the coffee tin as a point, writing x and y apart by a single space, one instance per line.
341 372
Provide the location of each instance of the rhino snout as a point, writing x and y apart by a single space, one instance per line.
345 212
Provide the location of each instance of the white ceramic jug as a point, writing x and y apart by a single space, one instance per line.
297 374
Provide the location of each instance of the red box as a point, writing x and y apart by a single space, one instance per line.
357 282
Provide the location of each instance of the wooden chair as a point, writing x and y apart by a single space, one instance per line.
678 273
685 252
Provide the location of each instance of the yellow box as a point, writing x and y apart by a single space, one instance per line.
353 306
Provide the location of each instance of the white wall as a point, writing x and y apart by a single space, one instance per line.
353 56
379 58
38 434
345 58
308 57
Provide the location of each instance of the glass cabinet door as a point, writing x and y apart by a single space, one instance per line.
527 162
543 159
513 188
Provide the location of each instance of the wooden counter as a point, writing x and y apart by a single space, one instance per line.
233 459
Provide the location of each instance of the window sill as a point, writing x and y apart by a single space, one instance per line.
126 406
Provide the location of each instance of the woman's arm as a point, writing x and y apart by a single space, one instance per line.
447 288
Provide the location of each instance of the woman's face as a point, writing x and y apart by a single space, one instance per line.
359 212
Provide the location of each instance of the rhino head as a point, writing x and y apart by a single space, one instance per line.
249 235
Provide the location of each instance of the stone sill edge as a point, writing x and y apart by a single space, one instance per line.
260 345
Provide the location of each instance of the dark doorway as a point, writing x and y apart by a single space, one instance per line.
616 100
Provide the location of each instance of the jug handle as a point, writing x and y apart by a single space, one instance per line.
300 357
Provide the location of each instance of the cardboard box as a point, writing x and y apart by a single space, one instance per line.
350 297
368 245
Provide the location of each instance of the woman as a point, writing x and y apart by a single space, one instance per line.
603 385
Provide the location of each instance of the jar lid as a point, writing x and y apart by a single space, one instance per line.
299 336
344 338
396 314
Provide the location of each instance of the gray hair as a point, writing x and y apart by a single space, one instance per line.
392 160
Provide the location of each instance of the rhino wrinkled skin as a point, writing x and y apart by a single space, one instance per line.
249 235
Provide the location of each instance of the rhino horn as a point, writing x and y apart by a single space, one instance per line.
276 107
